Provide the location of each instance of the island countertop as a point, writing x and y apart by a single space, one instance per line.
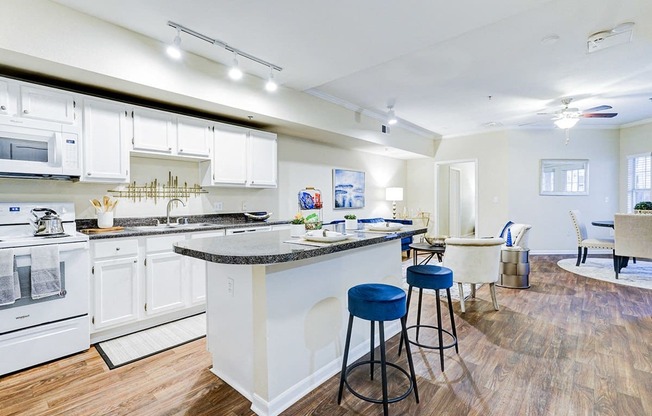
278 246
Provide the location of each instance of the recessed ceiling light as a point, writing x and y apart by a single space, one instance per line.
550 39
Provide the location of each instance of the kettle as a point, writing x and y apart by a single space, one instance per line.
49 224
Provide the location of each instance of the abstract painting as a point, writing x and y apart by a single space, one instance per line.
348 189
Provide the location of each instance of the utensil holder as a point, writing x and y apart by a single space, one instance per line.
105 219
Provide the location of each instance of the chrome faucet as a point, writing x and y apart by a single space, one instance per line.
168 207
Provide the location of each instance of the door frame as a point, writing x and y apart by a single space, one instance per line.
438 197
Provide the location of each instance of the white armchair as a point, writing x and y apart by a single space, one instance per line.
633 238
474 261
520 234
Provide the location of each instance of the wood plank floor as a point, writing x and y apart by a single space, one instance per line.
567 346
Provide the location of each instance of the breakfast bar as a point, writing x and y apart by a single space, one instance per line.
276 307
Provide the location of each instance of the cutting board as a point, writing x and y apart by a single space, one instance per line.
101 230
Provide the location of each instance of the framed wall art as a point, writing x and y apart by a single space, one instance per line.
348 189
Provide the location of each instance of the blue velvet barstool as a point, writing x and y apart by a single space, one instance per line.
377 302
436 278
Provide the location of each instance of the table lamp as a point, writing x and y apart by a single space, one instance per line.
393 194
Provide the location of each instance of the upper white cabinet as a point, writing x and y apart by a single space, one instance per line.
47 104
262 159
107 128
153 131
4 98
194 136
241 157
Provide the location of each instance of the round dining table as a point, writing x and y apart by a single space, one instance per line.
608 223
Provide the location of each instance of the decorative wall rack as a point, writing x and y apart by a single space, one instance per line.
156 190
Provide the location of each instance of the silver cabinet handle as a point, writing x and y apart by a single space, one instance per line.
180 150
26 111
117 249
169 148
3 107
88 174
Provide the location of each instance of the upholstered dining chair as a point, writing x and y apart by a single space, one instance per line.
584 243
474 261
633 238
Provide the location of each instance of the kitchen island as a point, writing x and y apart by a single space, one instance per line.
277 307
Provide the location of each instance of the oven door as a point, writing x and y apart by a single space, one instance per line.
72 302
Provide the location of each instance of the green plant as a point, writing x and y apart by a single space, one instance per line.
298 219
350 217
643 206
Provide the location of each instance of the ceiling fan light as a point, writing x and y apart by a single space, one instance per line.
566 122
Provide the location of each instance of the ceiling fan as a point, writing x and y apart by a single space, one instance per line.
568 117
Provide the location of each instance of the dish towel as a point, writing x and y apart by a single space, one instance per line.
46 276
9 283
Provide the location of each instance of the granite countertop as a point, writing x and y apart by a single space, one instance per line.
135 227
273 246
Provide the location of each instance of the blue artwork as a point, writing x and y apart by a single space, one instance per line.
348 189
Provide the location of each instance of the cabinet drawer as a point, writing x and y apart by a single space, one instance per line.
163 243
115 248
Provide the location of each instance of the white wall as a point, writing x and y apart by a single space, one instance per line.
508 181
633 141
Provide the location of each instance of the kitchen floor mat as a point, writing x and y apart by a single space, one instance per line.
126 349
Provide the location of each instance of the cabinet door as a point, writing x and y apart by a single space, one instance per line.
165 283
4 98
262 159
46 104
153 131
230 156
116 291
106 147
194 137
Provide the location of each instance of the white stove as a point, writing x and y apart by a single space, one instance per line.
36 329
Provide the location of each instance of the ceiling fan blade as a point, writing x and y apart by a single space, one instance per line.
599 115
598 108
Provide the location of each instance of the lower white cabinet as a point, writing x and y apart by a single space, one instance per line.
165 278
115 292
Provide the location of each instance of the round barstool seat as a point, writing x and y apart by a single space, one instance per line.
435 278
377 302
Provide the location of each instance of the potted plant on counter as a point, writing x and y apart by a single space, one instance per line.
297 226
643 207
351 222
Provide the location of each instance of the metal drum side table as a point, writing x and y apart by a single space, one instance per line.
514 268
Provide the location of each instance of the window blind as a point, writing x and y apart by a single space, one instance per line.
639 179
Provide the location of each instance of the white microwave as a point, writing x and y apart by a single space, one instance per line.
34 149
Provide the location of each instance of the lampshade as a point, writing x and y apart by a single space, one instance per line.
393 194
566 122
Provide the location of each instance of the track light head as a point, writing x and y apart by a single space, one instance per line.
174 49
271 84
391 117
235 72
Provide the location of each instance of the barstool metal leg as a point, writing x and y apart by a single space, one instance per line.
383 365
439 332
407 312
371 351
409 358
419 312
345 358
450 312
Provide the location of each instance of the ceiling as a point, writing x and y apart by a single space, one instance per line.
451 68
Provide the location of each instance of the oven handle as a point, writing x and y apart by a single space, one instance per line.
63 248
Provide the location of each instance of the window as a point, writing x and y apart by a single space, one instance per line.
639 180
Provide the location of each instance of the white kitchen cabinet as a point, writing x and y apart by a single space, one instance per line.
42 103
165 275
115 283
194 137
196 268
262 159
106 142
153 131
241 157
5 106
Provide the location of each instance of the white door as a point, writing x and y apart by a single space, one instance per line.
165 283
46 104
194 136
230 155
106 147
116 292
153 131
262 159
455 225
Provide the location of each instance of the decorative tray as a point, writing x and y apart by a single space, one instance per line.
385 227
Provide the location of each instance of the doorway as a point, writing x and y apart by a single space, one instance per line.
456 198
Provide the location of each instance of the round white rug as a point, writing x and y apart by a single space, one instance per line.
639 274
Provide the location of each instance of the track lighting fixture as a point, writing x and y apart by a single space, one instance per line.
271 84
174 50
234 72
391 117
